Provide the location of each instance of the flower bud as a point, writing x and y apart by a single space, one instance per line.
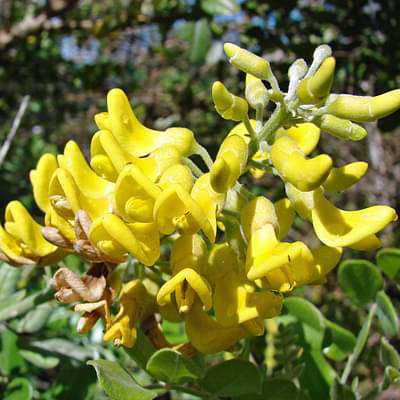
256 93
364 108
341 128
314 89
228 106
248 62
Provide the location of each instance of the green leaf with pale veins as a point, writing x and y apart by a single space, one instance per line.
117 383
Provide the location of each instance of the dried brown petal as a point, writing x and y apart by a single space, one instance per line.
54 236
82 224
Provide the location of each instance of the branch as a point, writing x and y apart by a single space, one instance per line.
15 125
31 24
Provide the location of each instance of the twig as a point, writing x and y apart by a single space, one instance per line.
15 125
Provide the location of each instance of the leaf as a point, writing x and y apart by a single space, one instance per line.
340 391
220 7
23 306
12 299
63 347
360 280
387 316
342 341
142 351
276 389
171 366
35 319
10 357
41 361
200 41
117 383
311 318
232 378
317 376
388 354
19 389
388 261
8 280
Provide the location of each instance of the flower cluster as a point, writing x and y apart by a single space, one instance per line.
207 252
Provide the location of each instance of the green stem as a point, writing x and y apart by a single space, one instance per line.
259 165
197 172
259 117
276 120
249 128
203 153
360 343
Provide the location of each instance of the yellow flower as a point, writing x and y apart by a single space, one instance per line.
89 183
134 137
284 266
291 164
135 195
339 228
135 304
340 179
230 163
207 335
228 106
188 258
40 179
67 197
235 299
285 214
306 135
177 210
341 128
115 238
21 240
256 93
109 158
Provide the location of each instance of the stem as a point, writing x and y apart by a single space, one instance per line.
259 117
197 172
242 191
249 128
15 125
276 120
360 343
203 153
259 165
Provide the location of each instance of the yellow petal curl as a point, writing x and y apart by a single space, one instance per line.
304 174
340 179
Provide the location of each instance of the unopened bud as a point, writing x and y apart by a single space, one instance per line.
256 93
248 62
341 128
364 108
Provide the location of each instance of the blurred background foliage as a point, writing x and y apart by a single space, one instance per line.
66 54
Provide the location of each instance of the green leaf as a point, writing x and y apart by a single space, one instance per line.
171 366
117 383
342 341
12 299
317 376
142 351
276 389
387 316
388 261
220 7
10 357
8 280
360 280
19 389
200 41
388 354
232 378
311 318
41 361
340 391
23 306
64 347
35 319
